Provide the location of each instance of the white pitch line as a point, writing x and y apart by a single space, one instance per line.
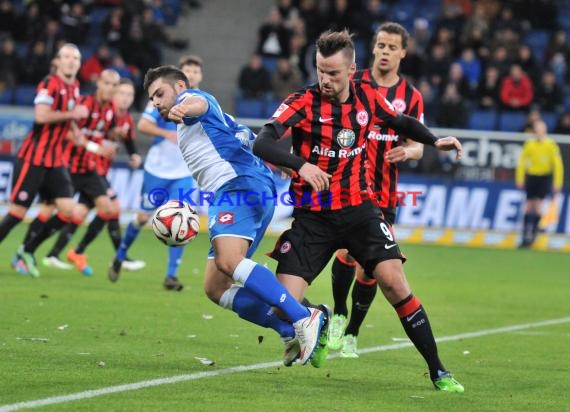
244 368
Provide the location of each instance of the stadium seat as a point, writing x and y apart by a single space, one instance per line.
550 118
6 96
270 106
483 120
567 102
537 40
250 107
24 95
512 121
270 63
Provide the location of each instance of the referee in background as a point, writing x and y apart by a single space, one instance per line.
539 170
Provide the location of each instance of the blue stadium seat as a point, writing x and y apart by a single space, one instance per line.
6 96
512 121
24 95
270 63
483 120
567 102
250 107
270 106
537 40
550 118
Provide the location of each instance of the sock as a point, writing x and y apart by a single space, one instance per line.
129 237
534 220
416 324
174 259
93 230
65 235
35 227
114 229
527 227
248 306
263 284
8 224
52 225
342 277
363 293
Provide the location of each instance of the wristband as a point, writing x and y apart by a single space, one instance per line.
92 147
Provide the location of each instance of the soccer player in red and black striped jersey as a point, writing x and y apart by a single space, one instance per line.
84 158
41 164
384 150
329 123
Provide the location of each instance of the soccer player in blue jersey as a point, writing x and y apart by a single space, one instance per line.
164 172
240 209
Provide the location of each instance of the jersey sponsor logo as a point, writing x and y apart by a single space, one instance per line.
341 154
362 118
280 110
325 119
400 105
345 138
285 247
382 137
225 218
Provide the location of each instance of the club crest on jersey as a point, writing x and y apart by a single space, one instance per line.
70 105
362 118
285 247
345 138
399 105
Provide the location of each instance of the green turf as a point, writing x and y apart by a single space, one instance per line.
142 332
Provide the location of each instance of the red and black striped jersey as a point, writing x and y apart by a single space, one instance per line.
384 175
331 135
45 144
94 127
125 122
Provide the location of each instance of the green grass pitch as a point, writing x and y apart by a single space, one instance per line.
142 333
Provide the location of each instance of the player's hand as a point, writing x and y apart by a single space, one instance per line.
120 132
314 176
107 150
397 154
135 161
520 187
450 143
79 112
176 113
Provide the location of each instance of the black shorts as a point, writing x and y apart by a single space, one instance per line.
537 187
49 182
389 214
89 186
306 248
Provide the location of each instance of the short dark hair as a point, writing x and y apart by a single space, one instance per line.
170 74
126 80
395 28
190 60
331 42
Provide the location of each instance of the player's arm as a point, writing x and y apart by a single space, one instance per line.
558 172
43 114
148 127
191 106
521 167
409 150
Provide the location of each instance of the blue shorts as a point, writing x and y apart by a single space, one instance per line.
238 210
157 191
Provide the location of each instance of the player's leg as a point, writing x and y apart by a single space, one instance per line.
79 260
343 269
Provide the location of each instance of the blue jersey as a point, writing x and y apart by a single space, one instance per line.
164 158
213 149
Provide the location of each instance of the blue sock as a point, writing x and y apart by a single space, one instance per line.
248 306
128 238
263 284
174 259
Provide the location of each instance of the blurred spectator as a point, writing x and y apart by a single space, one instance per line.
471 66
528 63
94 65
532 116
558 44
114 28
506 21
274 37
559 66
452 110
309 12
156 35
37 62
563 124
285 79
254 80
289 13
74 23
549 94
371 18
130 72
500 59
9 64
29 23
430 102
341 17
457 78
298 52
437 65
412 65
488 90
452 20
517 90
421 35
445 37
52 36
8 19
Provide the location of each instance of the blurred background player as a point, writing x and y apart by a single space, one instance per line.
42 159
384 149
165 171
539 172
122 129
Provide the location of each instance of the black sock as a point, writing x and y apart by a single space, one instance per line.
34 228
8 224
342 277
65 235
535 220
114 232
52 225
416 324
93 230
526 228
362 296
